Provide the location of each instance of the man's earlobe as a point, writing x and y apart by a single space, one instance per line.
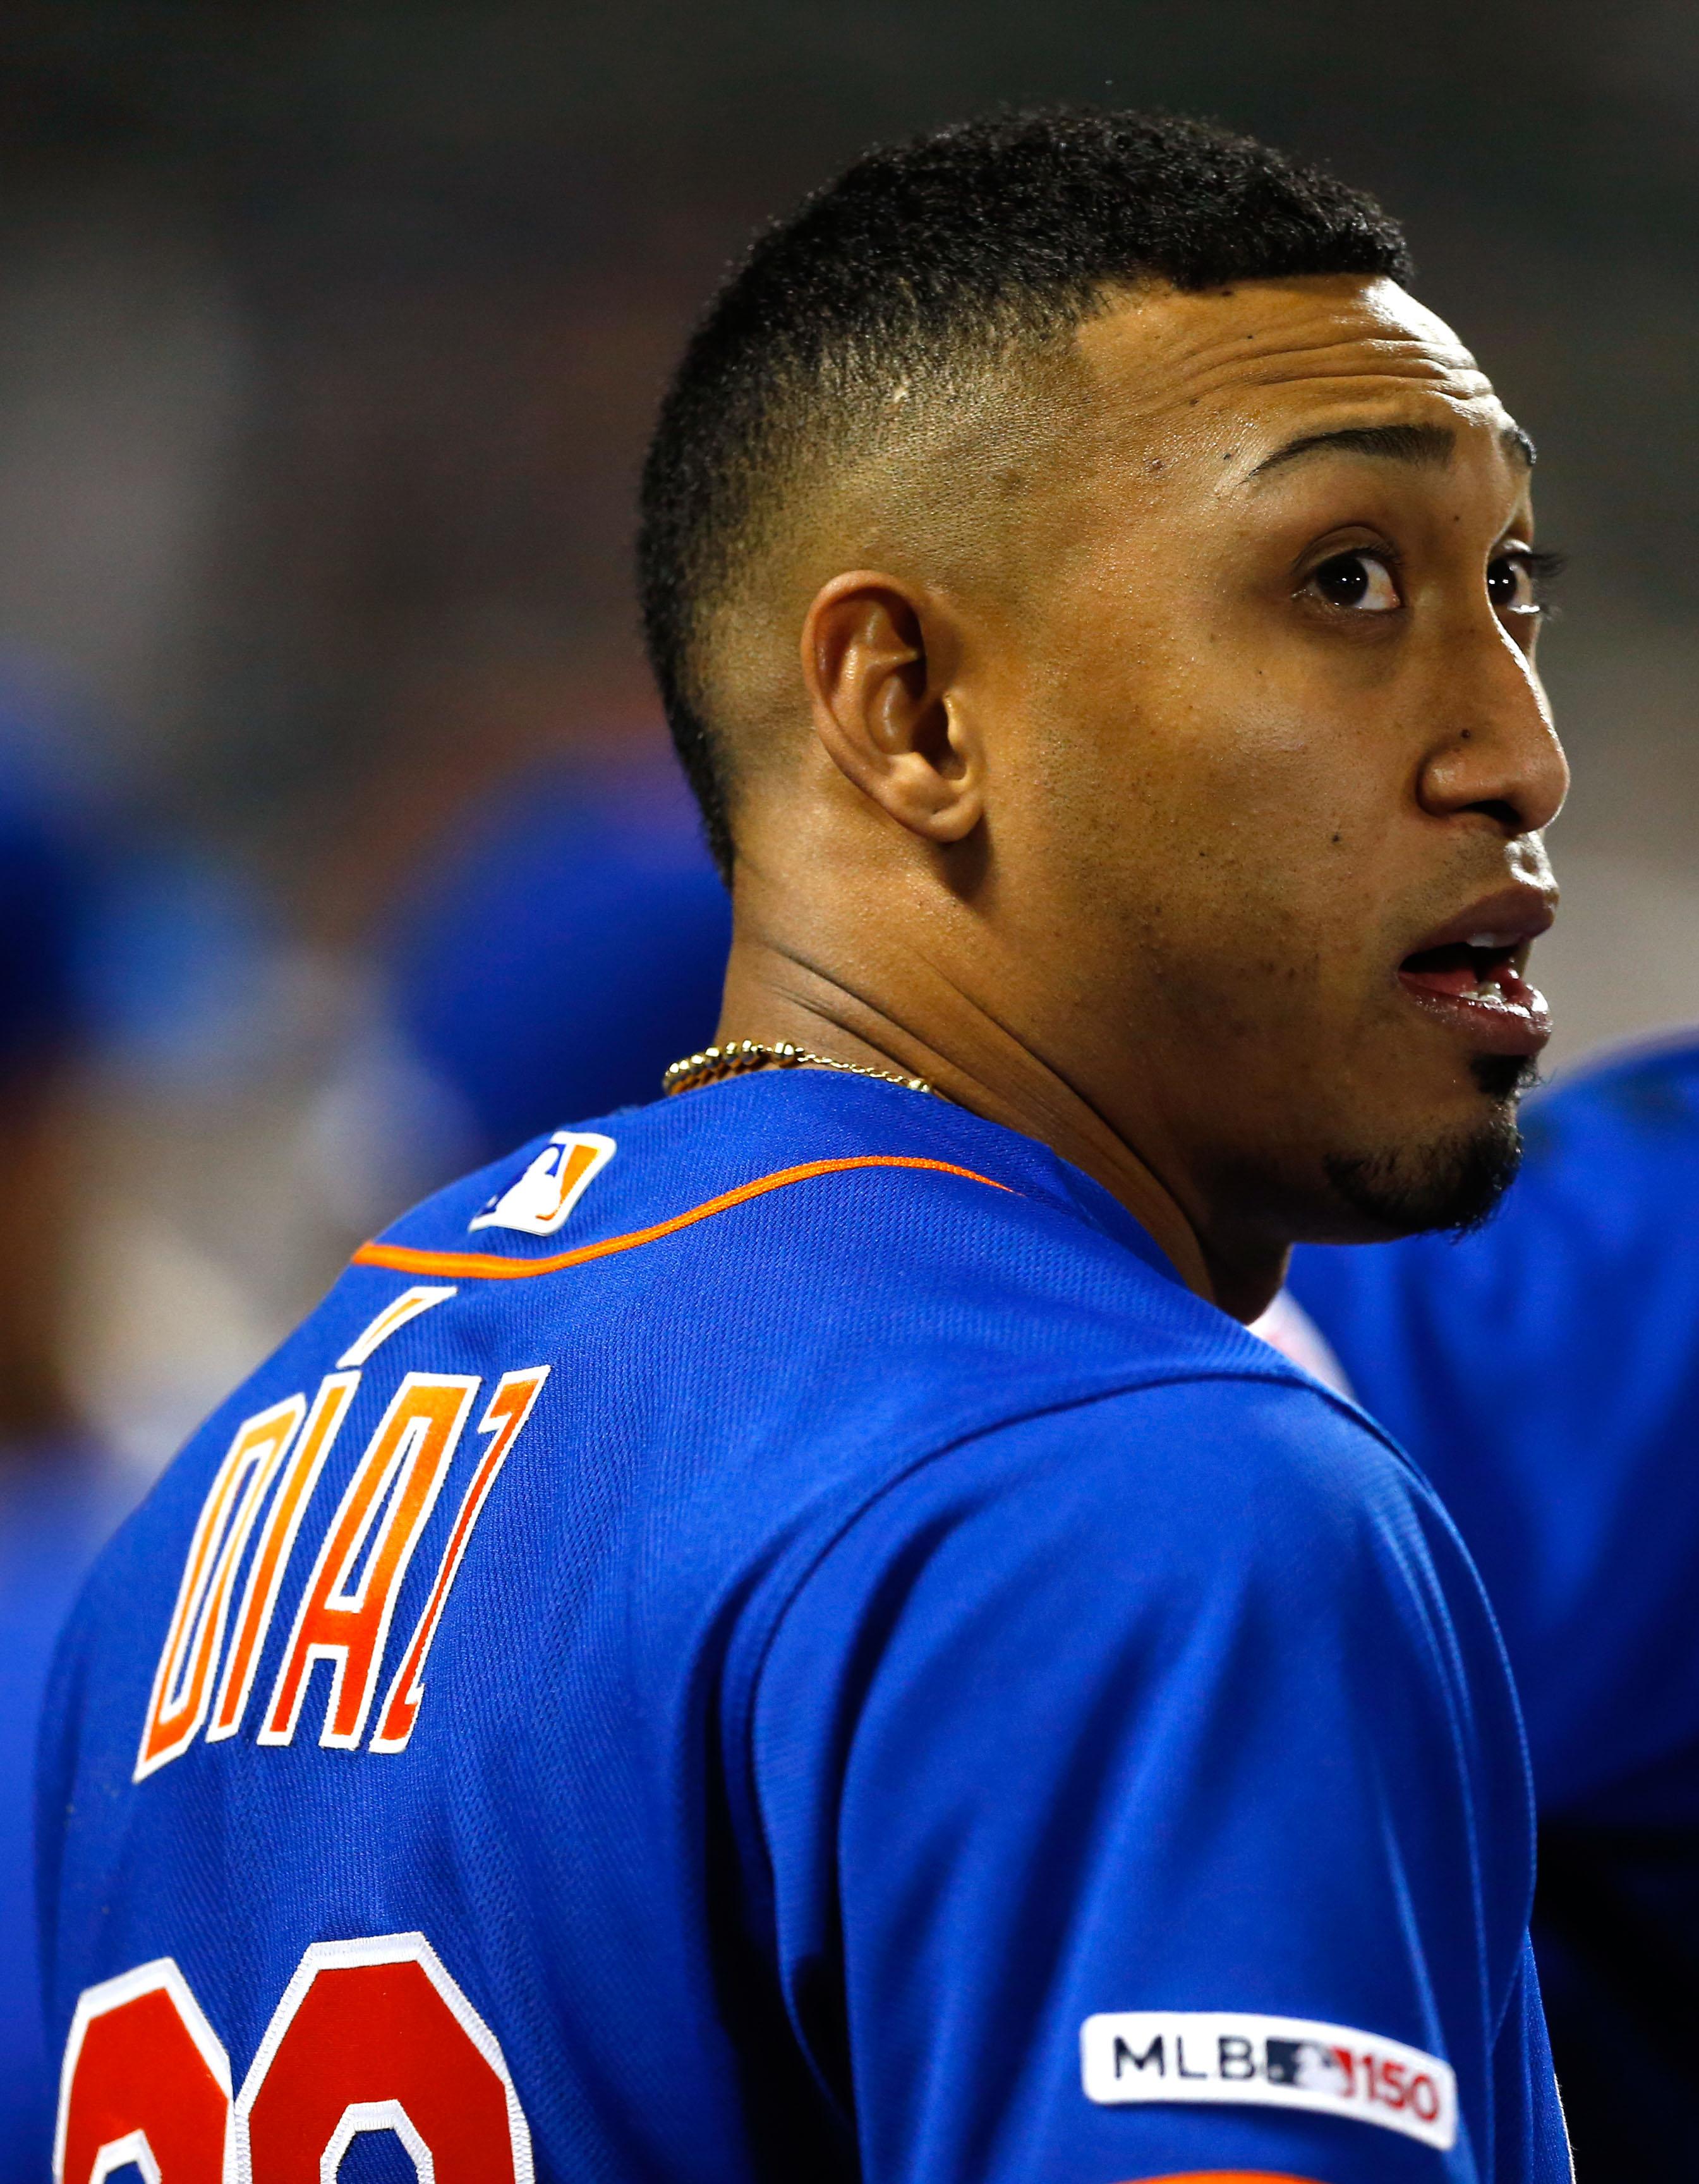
879 658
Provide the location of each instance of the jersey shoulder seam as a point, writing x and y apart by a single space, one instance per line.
494 1266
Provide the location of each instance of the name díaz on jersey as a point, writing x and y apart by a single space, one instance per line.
261 1495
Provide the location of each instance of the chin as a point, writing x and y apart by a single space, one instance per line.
1452 1179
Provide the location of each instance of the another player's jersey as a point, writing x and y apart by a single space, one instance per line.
1544 1373
771 1637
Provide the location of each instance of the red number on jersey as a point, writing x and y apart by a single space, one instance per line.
370 2035
145 2079
374 2036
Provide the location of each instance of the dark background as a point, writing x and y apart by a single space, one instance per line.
329 337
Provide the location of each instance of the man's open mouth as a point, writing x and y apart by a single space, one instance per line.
1484 969
1475 981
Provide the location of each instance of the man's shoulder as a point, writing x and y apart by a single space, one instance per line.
805 1261
1623 1127
816 1200
785 1236
1643 1082
1181 1477
1586 1260
1214 1548
776 1309
805 1257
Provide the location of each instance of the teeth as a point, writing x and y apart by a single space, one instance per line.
1491 940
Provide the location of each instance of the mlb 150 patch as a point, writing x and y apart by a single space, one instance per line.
1275 2062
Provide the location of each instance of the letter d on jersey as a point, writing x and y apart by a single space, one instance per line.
1274 2062
182 1682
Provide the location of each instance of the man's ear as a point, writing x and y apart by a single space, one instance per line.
878 657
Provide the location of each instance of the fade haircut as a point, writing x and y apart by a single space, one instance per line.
975 251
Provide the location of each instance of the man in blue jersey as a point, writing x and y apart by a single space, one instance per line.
791 1631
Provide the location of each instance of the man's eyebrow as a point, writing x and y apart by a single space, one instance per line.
1429 446
1515 442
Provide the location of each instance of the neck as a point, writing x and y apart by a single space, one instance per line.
936 1031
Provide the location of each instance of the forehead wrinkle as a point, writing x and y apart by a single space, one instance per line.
1197 405
1197 335
1400 364
1361 418
1190 360
1322 338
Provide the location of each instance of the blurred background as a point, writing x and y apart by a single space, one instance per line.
329 338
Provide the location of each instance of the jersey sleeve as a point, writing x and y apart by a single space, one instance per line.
1143 1794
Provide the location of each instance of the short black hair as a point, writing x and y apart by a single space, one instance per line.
958 250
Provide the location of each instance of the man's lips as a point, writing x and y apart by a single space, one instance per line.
1468 973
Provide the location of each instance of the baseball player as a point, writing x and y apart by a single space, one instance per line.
791 1630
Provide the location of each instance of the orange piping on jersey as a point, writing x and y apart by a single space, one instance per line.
1232 2176
489 1266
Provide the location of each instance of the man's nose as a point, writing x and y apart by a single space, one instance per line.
1496 751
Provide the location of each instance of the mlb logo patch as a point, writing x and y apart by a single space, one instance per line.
540 1201
1271 2062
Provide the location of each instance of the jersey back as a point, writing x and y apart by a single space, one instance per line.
770 1636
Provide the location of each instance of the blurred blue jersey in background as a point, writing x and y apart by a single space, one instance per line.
57 1498
1544 1373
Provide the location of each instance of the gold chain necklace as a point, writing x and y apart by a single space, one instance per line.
714 1063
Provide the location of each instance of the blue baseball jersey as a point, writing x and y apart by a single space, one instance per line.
1544 1373
771 1636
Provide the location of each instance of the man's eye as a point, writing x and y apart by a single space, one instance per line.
1358 579
1517 582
